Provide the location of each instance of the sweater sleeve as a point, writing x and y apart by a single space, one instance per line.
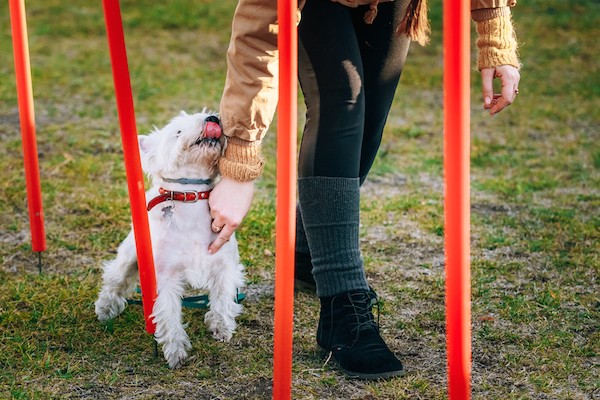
497 42
249 97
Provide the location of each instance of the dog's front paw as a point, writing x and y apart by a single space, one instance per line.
109 306
176 354
222 335
221 328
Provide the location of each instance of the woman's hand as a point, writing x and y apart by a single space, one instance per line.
509 79
229 203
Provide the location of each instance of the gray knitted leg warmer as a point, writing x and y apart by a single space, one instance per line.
301 241
331 217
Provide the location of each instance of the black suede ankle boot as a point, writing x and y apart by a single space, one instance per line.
347 329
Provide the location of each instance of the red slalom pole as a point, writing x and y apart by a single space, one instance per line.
27 120
133 169
457 205
286 198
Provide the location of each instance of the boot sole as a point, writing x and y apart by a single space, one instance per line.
363 376
372 377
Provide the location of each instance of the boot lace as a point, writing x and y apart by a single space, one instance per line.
362 304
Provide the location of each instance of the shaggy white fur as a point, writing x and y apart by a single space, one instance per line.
180 157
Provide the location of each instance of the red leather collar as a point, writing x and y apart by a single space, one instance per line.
190 196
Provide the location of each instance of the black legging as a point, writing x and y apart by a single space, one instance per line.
348 71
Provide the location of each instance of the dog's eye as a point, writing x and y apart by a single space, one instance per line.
178 133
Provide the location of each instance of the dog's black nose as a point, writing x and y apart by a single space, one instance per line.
213 118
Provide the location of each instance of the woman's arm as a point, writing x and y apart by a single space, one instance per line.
247 107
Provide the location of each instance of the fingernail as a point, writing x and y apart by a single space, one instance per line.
487 101
211 251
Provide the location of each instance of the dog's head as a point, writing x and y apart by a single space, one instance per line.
187 147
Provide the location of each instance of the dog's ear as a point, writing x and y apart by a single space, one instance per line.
144 144
147 152
183 113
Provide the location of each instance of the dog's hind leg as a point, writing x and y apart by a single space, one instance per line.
167 316
119 279
220 319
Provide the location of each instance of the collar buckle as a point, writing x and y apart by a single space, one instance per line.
190 200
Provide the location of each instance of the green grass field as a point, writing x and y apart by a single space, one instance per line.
535 218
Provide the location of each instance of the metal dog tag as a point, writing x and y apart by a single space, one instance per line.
167 212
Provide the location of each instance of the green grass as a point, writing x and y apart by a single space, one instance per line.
535 223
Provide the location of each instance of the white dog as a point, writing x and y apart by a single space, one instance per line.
181 160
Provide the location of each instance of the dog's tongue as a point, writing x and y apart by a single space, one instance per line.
212 130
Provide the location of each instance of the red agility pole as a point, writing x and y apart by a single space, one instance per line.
27 120
133 169
456 209
286 199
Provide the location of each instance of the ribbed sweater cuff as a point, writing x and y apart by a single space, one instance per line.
242 160
497 42
489 13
